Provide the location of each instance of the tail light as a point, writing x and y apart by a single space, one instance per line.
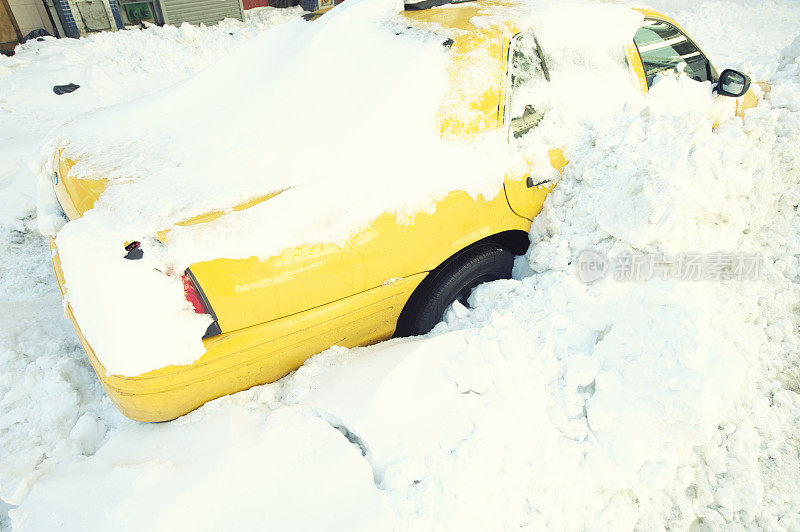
194 295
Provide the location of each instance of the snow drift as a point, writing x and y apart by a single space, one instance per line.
549 403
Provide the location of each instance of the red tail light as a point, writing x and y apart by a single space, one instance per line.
193 295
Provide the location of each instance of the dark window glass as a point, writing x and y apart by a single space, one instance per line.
663 47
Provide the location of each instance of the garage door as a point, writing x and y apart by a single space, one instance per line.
196 11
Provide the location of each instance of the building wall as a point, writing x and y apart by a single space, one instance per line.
30 15
76 14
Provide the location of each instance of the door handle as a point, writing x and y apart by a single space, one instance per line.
529 182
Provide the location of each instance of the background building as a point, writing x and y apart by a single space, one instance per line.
24 19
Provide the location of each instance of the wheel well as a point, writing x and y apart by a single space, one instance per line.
514 240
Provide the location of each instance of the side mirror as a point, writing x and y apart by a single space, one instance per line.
732 83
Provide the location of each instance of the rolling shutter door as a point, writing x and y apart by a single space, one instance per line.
196 11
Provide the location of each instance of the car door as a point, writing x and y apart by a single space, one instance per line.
663 47
527 190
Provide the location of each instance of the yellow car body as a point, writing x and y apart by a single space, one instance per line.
275 313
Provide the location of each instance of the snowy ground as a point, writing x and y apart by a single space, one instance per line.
664 404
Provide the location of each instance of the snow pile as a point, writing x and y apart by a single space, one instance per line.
110 67
615 404
697 372
299 457
51 406
550 403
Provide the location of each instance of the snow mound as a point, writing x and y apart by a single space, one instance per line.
300 456
556 404
47 386
550 404
110 67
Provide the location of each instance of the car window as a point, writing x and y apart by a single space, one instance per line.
663 47
526 68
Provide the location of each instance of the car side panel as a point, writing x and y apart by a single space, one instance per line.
526 200
747 101
250 291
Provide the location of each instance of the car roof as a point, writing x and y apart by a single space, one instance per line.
488 26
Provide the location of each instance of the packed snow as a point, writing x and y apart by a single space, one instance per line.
550 403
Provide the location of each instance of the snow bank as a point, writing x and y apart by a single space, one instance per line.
51 406
561 404
551 403
110 68
307 477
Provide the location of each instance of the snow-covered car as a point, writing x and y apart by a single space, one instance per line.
266 312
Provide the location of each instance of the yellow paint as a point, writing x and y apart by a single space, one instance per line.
477 52
651 13
75 195
213 215
745 102
527 201
251 291
635 62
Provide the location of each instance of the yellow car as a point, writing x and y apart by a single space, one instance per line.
270 315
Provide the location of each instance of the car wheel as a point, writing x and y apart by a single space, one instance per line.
452 281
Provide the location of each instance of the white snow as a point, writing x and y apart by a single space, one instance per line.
166 491
550 403
130 312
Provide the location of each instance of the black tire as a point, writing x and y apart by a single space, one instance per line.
452 281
